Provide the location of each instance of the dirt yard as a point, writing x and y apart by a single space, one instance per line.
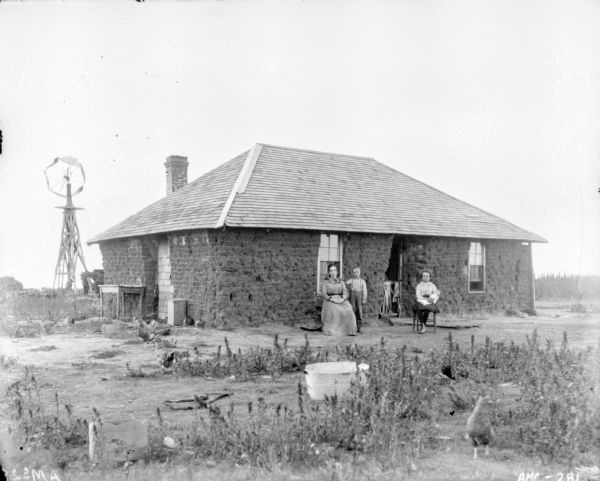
88 370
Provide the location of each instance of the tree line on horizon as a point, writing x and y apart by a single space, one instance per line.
567 286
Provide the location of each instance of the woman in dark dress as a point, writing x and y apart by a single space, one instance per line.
337 314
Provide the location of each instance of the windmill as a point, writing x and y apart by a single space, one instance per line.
65 177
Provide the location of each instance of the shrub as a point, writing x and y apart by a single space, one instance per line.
257 361
49 304
378 419
6 362
388 418
55 428
10 284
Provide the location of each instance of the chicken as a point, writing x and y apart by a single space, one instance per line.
166 359
479 427
144 333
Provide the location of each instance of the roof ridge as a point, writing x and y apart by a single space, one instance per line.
241 182
313 151
456 198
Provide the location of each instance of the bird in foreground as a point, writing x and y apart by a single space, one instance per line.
166 359
144 333
479 426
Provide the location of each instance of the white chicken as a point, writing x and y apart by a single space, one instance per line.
479 426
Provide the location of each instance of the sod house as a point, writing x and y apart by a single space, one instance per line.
249 241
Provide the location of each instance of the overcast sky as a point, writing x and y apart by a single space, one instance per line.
494 102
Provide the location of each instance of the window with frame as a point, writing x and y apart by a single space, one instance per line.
476 267
330 252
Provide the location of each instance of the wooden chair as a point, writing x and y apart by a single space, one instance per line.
415 310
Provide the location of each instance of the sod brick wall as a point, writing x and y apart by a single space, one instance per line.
508 274
253 276
194 272
132 261
246 276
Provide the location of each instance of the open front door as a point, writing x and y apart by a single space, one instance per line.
392 287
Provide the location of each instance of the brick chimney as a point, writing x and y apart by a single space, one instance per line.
176 172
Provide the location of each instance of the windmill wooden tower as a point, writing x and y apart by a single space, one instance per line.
65 177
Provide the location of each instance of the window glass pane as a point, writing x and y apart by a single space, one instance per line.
324 240
324 269
329 253
475 254
476 267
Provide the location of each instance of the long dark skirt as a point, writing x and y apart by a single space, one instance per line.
338 319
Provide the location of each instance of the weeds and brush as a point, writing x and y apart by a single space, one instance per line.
136 373
13 328
381 419
257 361
391 418
557 415
54 427
274 361
6 362
53 305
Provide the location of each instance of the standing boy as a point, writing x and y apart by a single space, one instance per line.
358 296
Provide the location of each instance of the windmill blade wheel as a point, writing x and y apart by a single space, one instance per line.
63 171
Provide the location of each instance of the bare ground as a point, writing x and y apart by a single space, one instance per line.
85 377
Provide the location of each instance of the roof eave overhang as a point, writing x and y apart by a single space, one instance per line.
533 238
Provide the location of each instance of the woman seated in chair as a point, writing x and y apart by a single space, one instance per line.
337 314
427 297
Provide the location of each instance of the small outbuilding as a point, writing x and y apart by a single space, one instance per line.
249 241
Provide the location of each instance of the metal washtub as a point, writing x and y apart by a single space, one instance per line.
332 378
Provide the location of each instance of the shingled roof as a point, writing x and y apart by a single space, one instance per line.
286 188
